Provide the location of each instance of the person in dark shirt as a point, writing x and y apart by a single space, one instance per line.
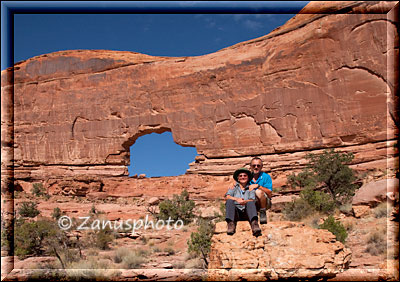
241 203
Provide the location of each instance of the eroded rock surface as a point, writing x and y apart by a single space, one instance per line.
285 250
318 81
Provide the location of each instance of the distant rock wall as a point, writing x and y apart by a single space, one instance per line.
319 81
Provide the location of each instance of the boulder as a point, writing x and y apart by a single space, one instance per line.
153 201
360 211
284 250
373 193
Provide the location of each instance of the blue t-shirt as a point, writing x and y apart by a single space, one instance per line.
263 180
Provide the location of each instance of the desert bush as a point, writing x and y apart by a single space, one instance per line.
133 260
28 209
330 171
144 239
44 237
169 250
376 243
335 227
320 201
57 213
297 210
38 190
180 207
178 265
120 254
381 210
103 238
200 241
30 237
304 179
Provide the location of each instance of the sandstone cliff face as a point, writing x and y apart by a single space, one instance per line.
319 81
285 250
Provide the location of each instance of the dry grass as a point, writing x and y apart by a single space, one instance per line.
377 243
381 210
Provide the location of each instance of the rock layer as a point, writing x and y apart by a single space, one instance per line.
318 81
285 250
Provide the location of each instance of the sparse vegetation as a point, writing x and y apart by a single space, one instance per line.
120 254
133 260
57 213
200 241
336 228
169 250
376 244
39 191
381 210
179 208
298 209
28 209
328 172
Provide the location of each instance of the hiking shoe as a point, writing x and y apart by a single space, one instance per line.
255 228
263 216
231 228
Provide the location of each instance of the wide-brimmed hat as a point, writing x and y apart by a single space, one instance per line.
240 170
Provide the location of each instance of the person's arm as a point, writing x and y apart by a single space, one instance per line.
228 196
266 190
267 185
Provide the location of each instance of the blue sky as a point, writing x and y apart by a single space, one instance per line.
153 34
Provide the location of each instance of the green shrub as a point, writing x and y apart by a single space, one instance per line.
57 213
28 209
200 241
304 179
329 171
180 207
38 189
103 238
30 237
298 209
320 201
336 228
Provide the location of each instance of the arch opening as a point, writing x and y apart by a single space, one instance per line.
157 155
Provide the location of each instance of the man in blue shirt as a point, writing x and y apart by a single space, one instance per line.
262 184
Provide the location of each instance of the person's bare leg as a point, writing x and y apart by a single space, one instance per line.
262 203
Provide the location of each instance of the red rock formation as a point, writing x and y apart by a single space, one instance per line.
318 81
285 250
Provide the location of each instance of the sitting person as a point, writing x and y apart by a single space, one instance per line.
241 203
262 184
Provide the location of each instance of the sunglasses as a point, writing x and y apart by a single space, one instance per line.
256 165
